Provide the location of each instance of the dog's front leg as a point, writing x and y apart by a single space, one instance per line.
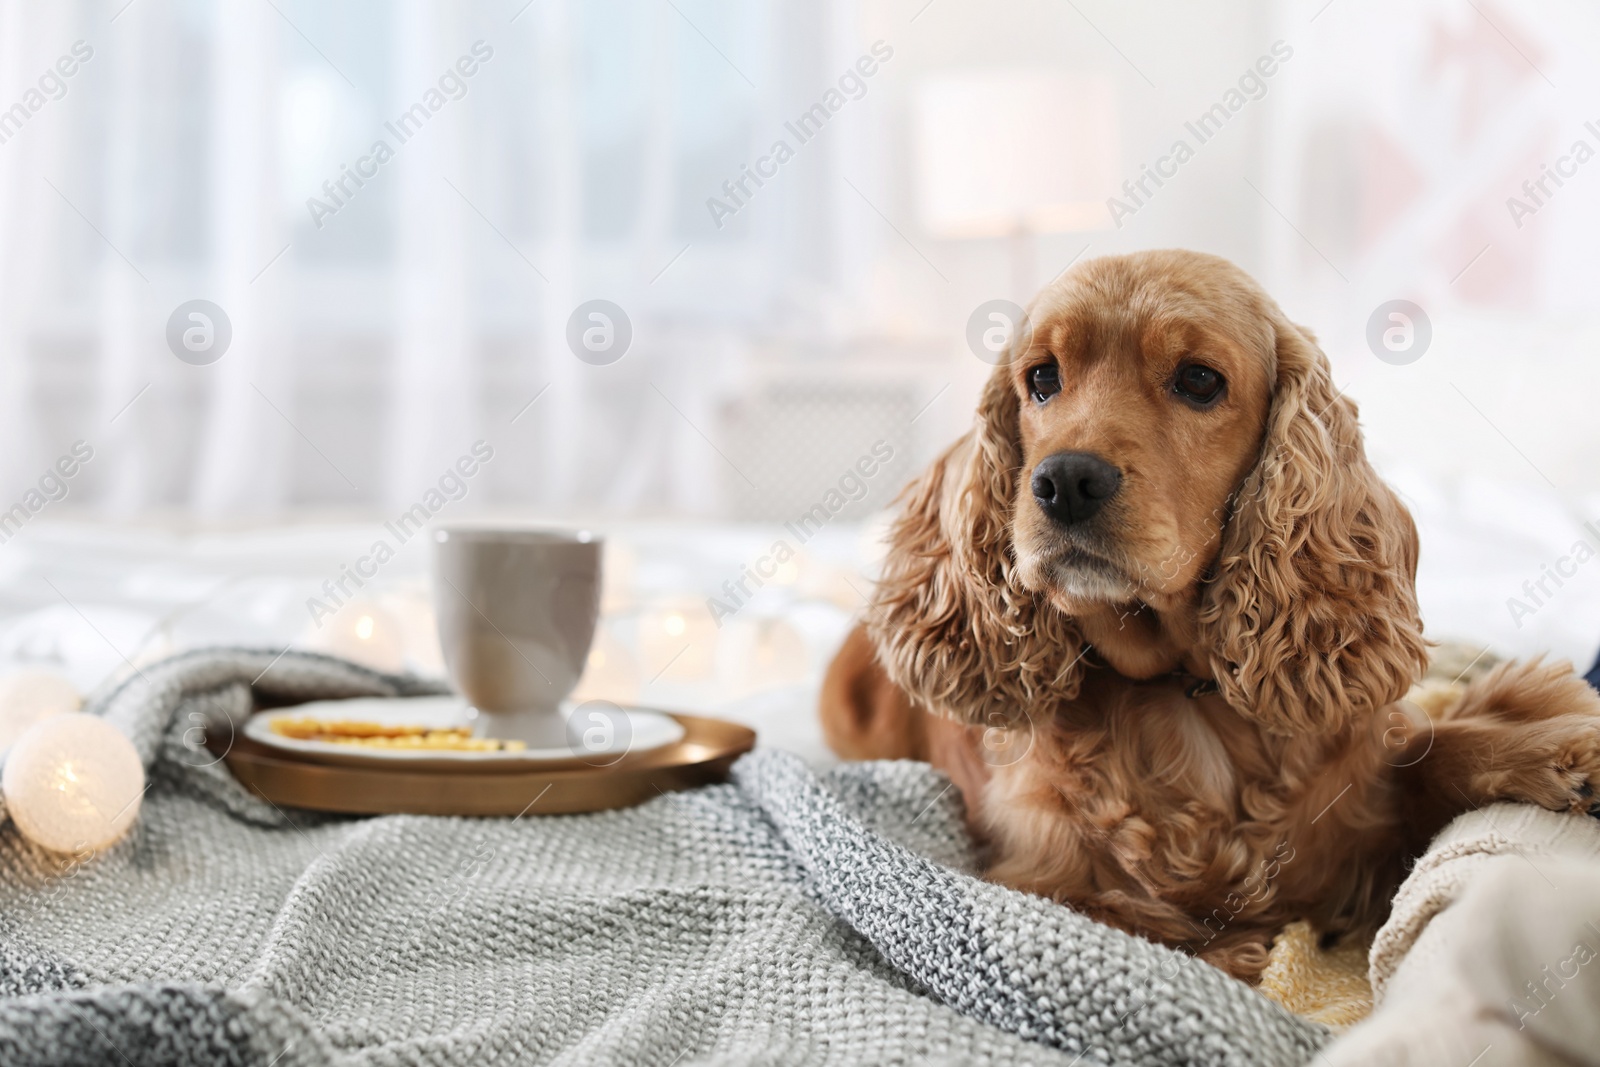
1527 731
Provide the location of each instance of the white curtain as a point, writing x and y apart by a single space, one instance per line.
1403 175
244 439
369 353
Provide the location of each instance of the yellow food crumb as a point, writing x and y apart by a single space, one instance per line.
378 735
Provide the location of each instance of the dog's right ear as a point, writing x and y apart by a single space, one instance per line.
954 627
1311 616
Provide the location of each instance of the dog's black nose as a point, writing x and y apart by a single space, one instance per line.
1072 486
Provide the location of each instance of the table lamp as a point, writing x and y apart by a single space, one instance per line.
1012 154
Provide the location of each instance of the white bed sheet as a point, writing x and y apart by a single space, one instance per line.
95 600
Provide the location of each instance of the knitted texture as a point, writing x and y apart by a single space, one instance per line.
1471 845
1328 986
1488 955
782 918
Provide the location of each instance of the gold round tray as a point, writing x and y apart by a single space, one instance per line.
702 756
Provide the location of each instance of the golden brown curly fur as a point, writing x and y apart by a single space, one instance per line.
1184 715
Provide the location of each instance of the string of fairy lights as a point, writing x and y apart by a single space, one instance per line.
71 782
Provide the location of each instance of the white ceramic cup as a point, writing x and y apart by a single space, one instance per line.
517 611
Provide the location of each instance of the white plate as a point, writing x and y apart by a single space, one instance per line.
638 730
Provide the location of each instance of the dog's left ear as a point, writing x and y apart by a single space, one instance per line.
954 627
1312 616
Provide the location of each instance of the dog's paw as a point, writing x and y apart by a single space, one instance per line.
1554 764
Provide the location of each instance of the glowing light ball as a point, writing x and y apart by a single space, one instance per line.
365 632
611 672
758 655
677 642
27 697
411 607
73 782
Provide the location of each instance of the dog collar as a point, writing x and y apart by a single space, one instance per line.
1194 686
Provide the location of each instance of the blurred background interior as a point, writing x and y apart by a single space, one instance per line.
781 325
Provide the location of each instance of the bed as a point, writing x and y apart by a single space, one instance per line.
90 599
839 922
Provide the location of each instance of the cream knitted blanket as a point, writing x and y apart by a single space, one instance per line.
1491 955
782 918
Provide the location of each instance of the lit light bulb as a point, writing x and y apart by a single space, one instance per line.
73 782
677 643
782 651
27 697
411 605
610 673
365 632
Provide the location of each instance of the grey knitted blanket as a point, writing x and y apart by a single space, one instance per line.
781 918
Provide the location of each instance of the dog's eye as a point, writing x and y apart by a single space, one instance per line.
1198 383
1044 381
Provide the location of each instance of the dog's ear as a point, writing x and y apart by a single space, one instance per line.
1312 615
954 627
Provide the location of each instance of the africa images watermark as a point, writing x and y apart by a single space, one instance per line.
452 85
852 84
1537 190
1565 567
852 486
1252 85
54 484
1162 969
452 485
199 332
52 85
1551 982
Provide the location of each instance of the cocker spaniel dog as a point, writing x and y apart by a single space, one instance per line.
1155 615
